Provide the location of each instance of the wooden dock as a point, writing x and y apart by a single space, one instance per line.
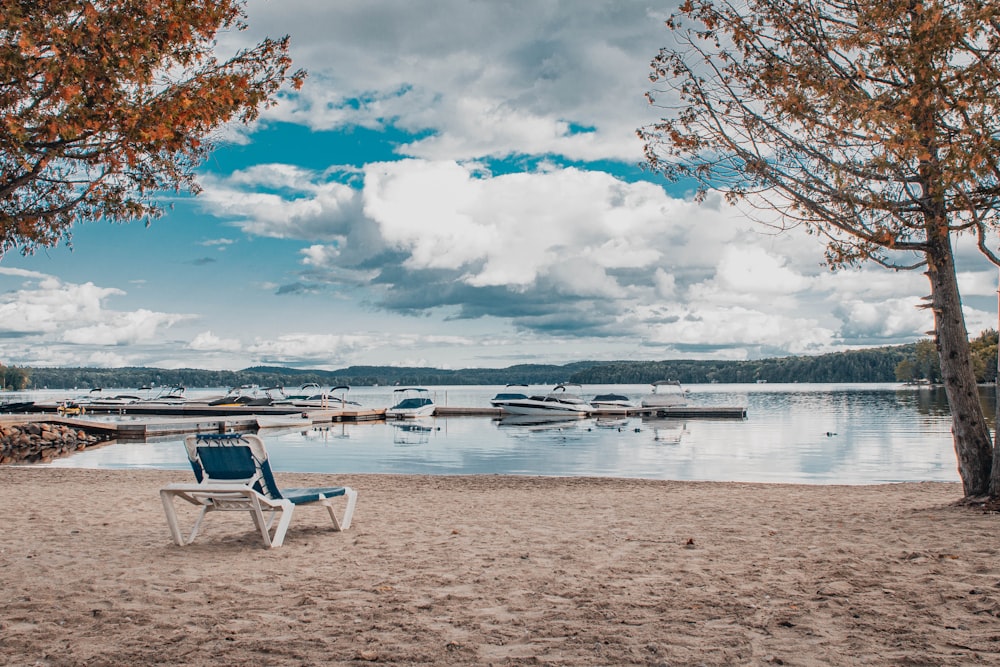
701 412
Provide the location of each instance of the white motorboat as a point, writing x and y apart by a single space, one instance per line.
611 402
307 392
665 394
311 396
410 402
96 398
508 395
337 399
558 401
247 395
167 396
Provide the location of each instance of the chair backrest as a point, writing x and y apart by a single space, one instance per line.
232 457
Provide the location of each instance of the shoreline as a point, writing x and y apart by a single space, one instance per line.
502 570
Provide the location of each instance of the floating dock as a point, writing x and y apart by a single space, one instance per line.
699 412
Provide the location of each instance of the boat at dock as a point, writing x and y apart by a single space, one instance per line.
98 398
311 396
507 395
247 395
665 394
410 402
12 407
614 402
559 401
166 396
307 392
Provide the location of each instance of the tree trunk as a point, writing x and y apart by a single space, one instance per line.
973 446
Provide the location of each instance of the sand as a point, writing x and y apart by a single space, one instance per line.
497 570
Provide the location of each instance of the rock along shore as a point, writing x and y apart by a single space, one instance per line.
41 442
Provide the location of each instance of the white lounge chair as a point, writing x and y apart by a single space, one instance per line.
233 474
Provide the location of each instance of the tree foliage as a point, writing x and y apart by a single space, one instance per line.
875 125
860 120
13 378
104 104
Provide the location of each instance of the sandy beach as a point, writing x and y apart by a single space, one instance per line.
496 570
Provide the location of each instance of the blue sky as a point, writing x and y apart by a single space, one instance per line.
456 185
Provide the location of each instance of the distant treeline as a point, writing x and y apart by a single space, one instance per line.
899 363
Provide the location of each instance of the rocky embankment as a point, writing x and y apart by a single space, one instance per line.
40 442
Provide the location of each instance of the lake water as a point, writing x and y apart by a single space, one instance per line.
816 434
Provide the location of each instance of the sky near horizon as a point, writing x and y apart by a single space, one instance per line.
456 185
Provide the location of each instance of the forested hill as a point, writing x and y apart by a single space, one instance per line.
883 364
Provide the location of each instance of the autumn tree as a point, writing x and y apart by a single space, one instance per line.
875 125
103 104
13 378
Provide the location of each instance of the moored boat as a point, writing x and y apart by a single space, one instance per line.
247 395
167 396
557 401
98 399
314 397
611 402
507 395
337 399
410 402
665 394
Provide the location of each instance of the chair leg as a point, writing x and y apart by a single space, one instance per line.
283 521
352 500
197 523
174 524
345 523
171 512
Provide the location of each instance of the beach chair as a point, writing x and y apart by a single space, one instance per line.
233 475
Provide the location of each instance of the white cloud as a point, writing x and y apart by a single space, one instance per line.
333 350
23 273
511 229
218 243
446 71
742 327
140 326
884 319
47 312
978 283
561 235
753 269
50 305
206 341
294 203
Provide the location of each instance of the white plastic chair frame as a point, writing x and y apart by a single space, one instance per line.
245 486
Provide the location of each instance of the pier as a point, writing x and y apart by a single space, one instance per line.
140 423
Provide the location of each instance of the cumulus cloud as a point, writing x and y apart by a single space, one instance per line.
332 350
281 201
567 78
49 305
883 319
206 341
564 251
50 316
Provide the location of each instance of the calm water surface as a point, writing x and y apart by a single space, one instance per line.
821 434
